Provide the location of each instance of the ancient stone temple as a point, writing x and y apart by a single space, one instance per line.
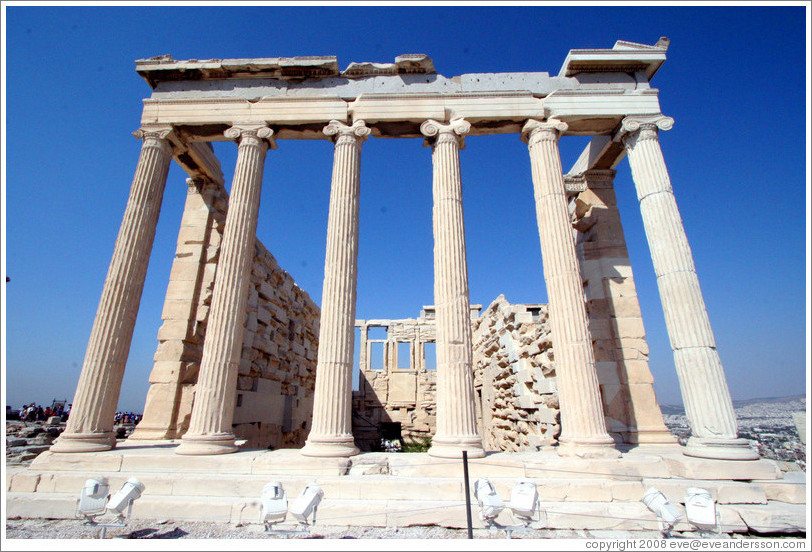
246 361
219 300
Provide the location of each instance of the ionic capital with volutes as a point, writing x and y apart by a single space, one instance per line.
437 132
251 134
155 136
643 127
340 132
536 131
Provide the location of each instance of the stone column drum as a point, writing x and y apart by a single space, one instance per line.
90 426
331 434
583 427
702 379
210 429
456 415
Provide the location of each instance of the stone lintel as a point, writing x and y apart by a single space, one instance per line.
589 111
586 111
602 153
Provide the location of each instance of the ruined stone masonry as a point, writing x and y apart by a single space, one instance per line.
276 373
514 375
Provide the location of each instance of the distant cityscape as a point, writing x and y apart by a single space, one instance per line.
771 425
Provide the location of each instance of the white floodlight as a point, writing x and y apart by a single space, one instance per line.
490 505
306 503
274 504
667 514
700 509
124 498
524 500
92 501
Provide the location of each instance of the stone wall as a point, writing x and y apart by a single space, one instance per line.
277 369
277 372
514 377
392 394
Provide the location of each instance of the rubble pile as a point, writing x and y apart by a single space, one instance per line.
514 373
25 440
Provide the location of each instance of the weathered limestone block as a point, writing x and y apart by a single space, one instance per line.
791 489
790 518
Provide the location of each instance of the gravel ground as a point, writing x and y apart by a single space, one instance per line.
167 529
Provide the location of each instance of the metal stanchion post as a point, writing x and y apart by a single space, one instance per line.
467 494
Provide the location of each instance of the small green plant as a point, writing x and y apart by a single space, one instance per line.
420 444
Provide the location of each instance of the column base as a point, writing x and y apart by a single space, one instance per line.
84 442
720 449
328 446
452 447
203 445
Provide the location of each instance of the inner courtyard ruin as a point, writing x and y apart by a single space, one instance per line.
247 362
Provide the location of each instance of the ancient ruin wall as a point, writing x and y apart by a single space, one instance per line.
514 376
278 365
514 379
277 372
392 394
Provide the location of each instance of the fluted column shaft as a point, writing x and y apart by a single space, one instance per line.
210 430
331 434
583 427
705 393
90 426
456 414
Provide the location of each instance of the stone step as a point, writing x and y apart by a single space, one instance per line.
641 462
380 489
627 516
371 487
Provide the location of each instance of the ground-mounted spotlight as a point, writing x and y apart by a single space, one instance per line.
123 500
667 514
700 509
307 503
92 501
490 504
274 505
524 501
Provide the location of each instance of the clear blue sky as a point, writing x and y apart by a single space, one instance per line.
734 81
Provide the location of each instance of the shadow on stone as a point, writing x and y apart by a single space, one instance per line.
150 533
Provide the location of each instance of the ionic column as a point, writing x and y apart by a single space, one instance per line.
90 426
456 415
210 430
583 427
702 379
331 434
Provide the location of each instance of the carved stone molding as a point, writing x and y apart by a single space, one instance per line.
574 184
253 132
600 178
435 131
357 131
535 131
